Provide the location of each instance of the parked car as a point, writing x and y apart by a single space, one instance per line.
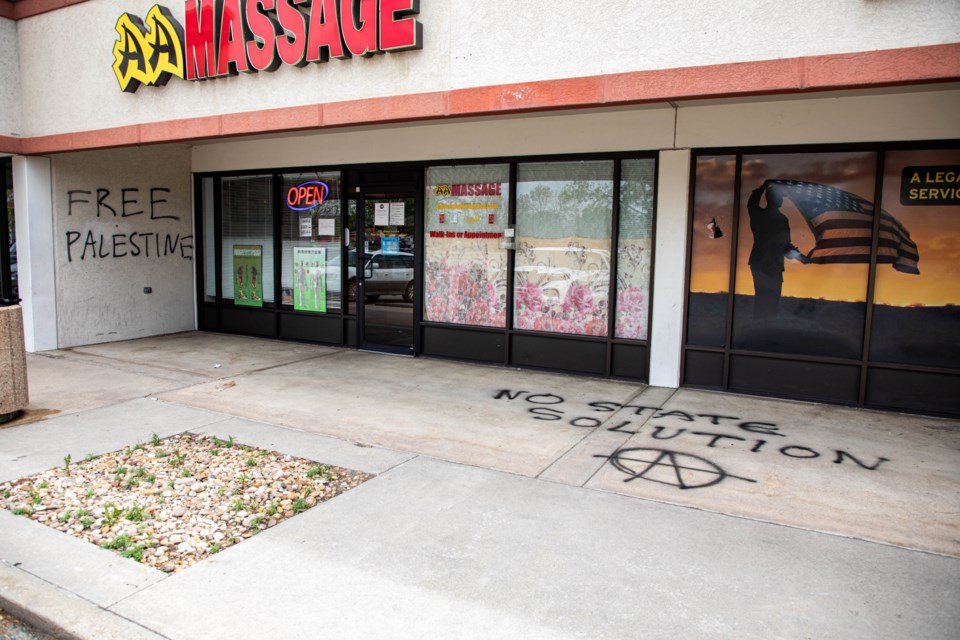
390 274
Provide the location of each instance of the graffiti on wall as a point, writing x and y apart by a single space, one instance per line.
651 459
144 210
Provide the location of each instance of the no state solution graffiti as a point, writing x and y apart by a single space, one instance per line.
141 215
662 461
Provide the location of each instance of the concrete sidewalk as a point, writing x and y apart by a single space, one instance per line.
506 504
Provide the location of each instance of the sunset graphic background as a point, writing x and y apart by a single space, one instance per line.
935 229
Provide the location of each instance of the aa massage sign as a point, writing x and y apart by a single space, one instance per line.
225 37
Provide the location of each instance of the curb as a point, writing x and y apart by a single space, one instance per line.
60 613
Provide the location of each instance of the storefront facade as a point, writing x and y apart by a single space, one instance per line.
774 215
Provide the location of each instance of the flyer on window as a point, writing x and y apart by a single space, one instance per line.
310 279
248 275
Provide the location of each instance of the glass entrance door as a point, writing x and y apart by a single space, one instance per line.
382 269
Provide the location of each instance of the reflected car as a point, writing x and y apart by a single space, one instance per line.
390 274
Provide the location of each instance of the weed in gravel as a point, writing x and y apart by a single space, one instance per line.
238 505
89 493
151 478
300 505
215 548
178 458
251 462
90 457
44 484
120 542
111 515
155 439
135 552
66 463
136 513
186 473
23 511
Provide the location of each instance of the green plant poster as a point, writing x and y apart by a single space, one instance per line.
248 275
310 279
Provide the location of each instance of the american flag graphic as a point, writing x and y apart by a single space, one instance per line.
842 225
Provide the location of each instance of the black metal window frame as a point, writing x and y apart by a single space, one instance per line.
949 378
569 350
621 357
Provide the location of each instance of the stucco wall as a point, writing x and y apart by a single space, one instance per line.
9 79
917 114
103 262
68 84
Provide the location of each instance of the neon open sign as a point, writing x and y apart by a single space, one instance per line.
308 195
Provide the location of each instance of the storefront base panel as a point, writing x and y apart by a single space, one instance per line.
824 382
207 317
629 361
924 391
253 322
551 352
318 328
703 369
466 344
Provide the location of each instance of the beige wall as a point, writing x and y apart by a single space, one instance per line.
100 279
68 84
918 114
9 79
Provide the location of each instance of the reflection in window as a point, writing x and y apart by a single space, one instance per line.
803 253
209 242
310 232
634 248
710 250
464 267
247 241
916 312
562 274
9 281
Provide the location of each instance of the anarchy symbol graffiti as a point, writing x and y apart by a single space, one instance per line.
674 468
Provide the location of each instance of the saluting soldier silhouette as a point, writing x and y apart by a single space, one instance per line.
771 242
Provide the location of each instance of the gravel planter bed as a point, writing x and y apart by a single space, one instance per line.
171 503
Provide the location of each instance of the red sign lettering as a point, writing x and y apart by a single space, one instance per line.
306 196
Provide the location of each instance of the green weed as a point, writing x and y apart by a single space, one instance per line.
120 542
136 513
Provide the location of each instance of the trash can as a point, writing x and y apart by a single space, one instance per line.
13 363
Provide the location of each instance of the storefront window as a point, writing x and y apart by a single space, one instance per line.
916 310
465 270
803 253
634 248
710 250
9 285
311 230
562 274
247 228
209 242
